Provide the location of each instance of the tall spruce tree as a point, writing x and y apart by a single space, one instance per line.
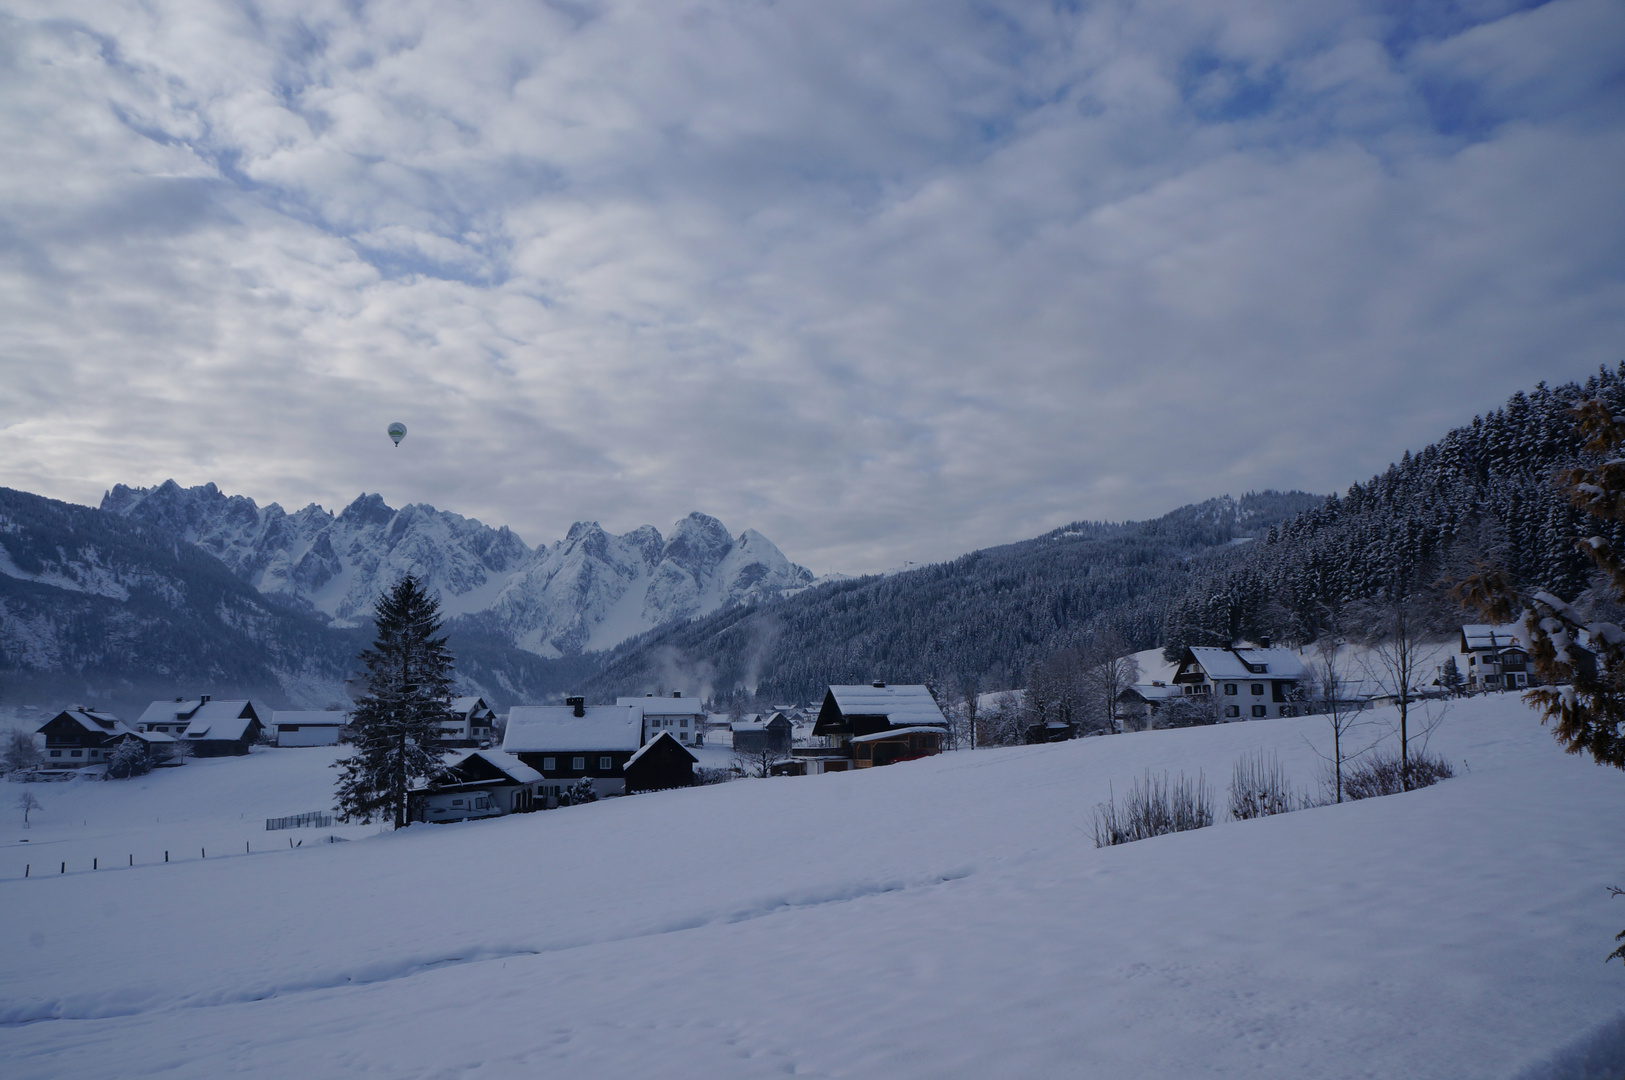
397 722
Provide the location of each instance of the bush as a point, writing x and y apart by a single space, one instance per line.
1383 774
1258 788
1153 807
705 775
581 791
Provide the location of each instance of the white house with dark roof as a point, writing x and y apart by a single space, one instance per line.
573 741
471 724
1245 684
681 716
1496 657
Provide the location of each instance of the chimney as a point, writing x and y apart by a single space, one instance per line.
879 685
203 699
578 704
1263 643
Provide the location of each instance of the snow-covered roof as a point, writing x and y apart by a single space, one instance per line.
464 706
1234 663
328 718
1153 691
646 746
892 733
220 720
664 706
542 728
167 712
900 705
505 763
151 738
1475 636
94 722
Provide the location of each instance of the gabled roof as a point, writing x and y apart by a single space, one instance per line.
1234 663
1151 691
151 738
97 723
650 745
902 706
466 706
168 712
228 720
327 718
1476 636
505 763
546 728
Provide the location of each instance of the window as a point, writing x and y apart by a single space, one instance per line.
1258 710
549 764
456 802
56 753
578 763
1232 710
1258 689
606 762
290 727
683 722
482 804
685 736
95 753
1230 688
78 753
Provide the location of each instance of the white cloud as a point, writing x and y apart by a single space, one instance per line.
884 281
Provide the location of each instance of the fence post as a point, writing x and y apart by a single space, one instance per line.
204 853
246 850
26 868
166 856
96 863
64 869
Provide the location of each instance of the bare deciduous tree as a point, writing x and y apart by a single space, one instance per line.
20 752
26 802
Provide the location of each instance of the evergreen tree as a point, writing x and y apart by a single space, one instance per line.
398 721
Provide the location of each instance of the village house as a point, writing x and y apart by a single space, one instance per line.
479 784
681 716
756 734
571 742
155 749
875 724
1242 684
307 728
1496 658
212 728
77 737
471 724
1139 706
660 763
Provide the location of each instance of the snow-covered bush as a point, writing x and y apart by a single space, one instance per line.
707 775
129 759
1153 807
1259 788
20 752
1384 774
581 791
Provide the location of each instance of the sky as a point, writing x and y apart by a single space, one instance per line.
885 280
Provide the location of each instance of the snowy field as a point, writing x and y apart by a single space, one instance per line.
942 918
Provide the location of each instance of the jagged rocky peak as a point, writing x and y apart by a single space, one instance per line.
591 590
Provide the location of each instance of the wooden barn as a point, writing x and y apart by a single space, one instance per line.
754 735
894 745
850 713
660 763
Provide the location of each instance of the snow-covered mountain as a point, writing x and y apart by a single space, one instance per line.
587 592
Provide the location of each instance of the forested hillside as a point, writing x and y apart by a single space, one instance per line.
981 619
1484 494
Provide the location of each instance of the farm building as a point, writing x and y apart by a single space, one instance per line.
307 728
852 712
660 763
1243 684
754 735
471 724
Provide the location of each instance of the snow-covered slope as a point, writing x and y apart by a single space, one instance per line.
589 591
940 918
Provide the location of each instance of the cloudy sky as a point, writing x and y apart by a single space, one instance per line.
884 279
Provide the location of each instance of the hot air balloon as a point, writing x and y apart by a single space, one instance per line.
397 431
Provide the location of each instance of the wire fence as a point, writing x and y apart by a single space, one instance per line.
62 867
